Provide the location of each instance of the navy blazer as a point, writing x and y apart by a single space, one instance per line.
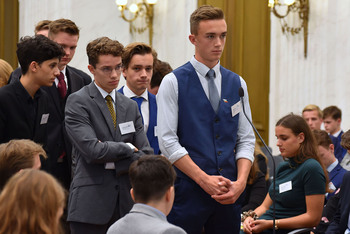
153 140
336 177
340 222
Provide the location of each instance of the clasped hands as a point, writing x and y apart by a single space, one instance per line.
222 189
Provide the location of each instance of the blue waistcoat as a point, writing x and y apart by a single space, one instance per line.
209 138
152 139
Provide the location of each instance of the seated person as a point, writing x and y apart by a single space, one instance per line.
345 143
258 181
17 155
300 182
152 178
332 121
327 157
341 222
31 202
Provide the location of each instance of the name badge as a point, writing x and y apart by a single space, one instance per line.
285 186
236 108
109 166
155 131
44 118
127 127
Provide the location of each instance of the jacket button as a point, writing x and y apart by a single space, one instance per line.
219 153
217 136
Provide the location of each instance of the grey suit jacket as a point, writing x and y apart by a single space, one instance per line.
144 219
94 190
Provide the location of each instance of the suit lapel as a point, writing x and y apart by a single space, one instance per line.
73 78
53 93
101 103
121 111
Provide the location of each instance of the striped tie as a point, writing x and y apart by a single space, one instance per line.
111 110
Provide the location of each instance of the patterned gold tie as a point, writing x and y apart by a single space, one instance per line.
111 110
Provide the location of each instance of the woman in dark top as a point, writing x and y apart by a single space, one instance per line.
300 182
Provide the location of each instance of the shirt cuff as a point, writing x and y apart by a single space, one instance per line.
177 155
131 146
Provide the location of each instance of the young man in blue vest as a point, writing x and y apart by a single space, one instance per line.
138 62
203 132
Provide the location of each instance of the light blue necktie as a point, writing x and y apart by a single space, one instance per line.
213 91
139 101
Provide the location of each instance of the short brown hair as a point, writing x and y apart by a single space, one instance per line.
62 25
151 176
137 48
322 138
103 46
16 155
204 12
312 107
42 25
159 71
333 112
345 140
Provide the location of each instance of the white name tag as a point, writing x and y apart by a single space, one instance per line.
285 186
109 165
155 131
44 118
236 108
127 127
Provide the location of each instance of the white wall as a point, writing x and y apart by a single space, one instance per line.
102 18
323 77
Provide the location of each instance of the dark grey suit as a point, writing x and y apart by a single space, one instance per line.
97 195
144 219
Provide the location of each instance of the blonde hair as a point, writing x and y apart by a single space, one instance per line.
30 203
312 107
5 72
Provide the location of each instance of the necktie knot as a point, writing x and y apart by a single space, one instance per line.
109 98
211 74
60 76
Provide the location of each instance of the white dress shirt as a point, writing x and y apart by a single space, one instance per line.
167 102
144 105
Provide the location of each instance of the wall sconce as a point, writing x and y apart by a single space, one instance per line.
142 9
286 6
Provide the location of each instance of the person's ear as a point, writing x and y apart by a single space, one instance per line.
91 69
301 137
132 194
192 39
169 194
33 66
